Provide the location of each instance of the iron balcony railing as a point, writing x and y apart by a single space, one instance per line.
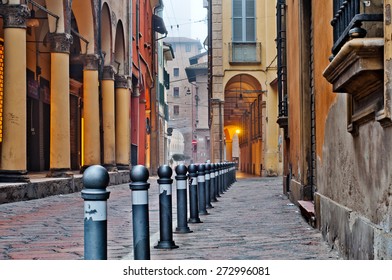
283 108
348 19
281 56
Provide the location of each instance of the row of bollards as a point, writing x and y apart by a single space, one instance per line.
206 183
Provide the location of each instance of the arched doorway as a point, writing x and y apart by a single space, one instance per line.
243 111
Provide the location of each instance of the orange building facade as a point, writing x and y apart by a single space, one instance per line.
73 92
334 73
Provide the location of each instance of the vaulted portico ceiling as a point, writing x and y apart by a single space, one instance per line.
240 92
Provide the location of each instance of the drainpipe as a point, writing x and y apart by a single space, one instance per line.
100 74
209 43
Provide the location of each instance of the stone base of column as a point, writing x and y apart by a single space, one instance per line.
59 173
15 176
111 167
121 166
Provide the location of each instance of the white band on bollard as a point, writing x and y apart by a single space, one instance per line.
95 210
165 187
201 179
212 175
207 176
139 197
194 182
181 185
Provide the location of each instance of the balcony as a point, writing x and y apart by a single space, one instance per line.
283 114
357 63
355 18
245 53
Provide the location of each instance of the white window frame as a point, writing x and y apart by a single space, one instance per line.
244 21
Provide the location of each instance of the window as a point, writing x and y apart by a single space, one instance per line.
176 110
188 47
244 48
244 21
176 92
176 72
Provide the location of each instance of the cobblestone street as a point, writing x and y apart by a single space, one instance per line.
252 220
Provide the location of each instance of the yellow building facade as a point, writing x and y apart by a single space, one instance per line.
66 81
243 88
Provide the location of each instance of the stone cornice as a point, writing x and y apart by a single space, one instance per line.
121 81
14 16
91 62
108 72
60 42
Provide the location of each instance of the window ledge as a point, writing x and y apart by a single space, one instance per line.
358 69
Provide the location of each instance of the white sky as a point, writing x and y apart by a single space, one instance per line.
185 18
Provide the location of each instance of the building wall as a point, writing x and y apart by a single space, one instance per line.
260 152
353 190
64 82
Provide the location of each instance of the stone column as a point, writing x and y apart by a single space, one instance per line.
229 150
217 135
108 119
13 147
60 149
123 123
91 134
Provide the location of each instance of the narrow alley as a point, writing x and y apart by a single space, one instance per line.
252 220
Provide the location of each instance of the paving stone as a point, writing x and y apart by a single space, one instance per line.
252 220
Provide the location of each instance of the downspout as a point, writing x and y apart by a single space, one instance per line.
100 74
209 43
130 45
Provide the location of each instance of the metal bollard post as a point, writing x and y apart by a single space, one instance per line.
95 181
201 187
225 183
213 183
182 223
193 197
232 172
221 186
229 174
165 209
208 186
141 227
217 183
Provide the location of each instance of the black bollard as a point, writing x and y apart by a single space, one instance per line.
165 209
217 182
95 181
213 183
182 211
224 172
222 183
141 227
193 196
208 186
201 187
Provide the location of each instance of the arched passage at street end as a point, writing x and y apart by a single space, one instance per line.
243 122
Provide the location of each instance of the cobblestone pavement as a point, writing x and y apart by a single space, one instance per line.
252 220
